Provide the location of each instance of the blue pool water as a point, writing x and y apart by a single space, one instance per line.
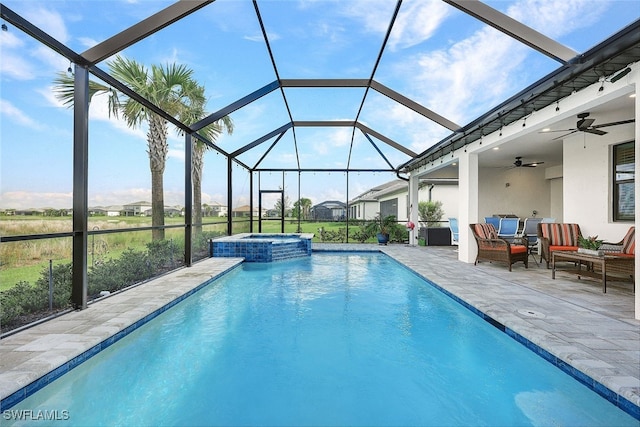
333 339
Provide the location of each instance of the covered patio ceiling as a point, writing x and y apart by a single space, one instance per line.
391 89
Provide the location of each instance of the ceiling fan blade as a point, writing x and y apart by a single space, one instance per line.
562 136
532 164
622 122
595 131
558 130
584 123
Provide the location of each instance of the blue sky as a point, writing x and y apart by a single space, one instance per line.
437 56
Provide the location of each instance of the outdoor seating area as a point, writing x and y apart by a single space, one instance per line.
557 242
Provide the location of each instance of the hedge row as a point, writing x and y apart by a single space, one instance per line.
131 267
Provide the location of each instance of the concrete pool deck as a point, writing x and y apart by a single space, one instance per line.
572 319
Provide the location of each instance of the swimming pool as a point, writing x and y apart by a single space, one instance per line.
333 339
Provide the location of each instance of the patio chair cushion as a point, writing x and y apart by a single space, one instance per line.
486 231
629 242
518 249
561 234
562 248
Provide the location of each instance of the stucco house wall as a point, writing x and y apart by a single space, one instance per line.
517 191
587 182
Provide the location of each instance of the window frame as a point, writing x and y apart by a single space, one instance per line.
617 183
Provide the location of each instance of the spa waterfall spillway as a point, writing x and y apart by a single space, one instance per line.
258 247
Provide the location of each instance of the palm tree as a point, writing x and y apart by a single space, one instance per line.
211 133
170 88
302 208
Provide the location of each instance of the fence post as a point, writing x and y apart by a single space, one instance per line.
50 284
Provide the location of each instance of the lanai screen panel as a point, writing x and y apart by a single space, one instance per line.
36 172
579 25
324 104
325 39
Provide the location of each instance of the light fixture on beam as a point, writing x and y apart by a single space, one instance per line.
620 75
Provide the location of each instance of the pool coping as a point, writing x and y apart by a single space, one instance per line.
27 383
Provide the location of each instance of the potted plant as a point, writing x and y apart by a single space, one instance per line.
431 214
590 245
381 228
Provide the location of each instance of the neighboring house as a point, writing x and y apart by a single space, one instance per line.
330 210
115 210
30 211
168 211
173 210
366 206
136 209
391 198
243 212
214 209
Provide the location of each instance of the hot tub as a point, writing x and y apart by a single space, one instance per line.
263 247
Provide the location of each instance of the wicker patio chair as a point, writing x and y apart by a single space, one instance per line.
625 248
557 236
492 248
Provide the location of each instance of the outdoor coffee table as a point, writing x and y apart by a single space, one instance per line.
604 261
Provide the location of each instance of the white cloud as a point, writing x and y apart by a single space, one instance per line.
14 66
260 39
373 14
555 18
99 110
175 153
14 114
8 40
87 42
27 199
50 22
120 196
417 21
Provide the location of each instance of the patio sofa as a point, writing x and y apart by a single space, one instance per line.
493 248
557 236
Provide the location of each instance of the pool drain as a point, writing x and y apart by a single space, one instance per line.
531 313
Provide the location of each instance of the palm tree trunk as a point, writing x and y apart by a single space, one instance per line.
198 165
158 149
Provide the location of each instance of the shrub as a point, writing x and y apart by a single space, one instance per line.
132 267
62 276
430 212
23 299
16 301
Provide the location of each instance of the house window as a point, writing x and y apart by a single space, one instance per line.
624 182
389 207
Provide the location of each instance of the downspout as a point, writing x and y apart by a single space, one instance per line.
401 177
430 190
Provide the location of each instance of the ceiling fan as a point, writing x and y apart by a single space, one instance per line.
519 164
584 124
